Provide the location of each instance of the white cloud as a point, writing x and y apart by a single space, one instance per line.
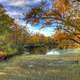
1 1
17 2
22 2
46 31
14 13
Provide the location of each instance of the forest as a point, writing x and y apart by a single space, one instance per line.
13 37
26 55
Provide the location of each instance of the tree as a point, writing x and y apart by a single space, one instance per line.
5 30
12 36
65 40
63 13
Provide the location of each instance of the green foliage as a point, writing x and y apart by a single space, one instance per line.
12 36
5 24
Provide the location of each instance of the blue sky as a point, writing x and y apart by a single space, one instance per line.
16 8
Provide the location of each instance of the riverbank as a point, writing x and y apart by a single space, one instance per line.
40 67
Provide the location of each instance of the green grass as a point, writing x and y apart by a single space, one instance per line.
40 67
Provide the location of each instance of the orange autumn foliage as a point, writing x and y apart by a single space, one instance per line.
62 6
60 35
65 40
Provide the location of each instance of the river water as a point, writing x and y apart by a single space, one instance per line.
51 51
63 51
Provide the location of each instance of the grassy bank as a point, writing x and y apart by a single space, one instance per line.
40 67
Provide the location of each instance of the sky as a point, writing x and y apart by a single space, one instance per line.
16 9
